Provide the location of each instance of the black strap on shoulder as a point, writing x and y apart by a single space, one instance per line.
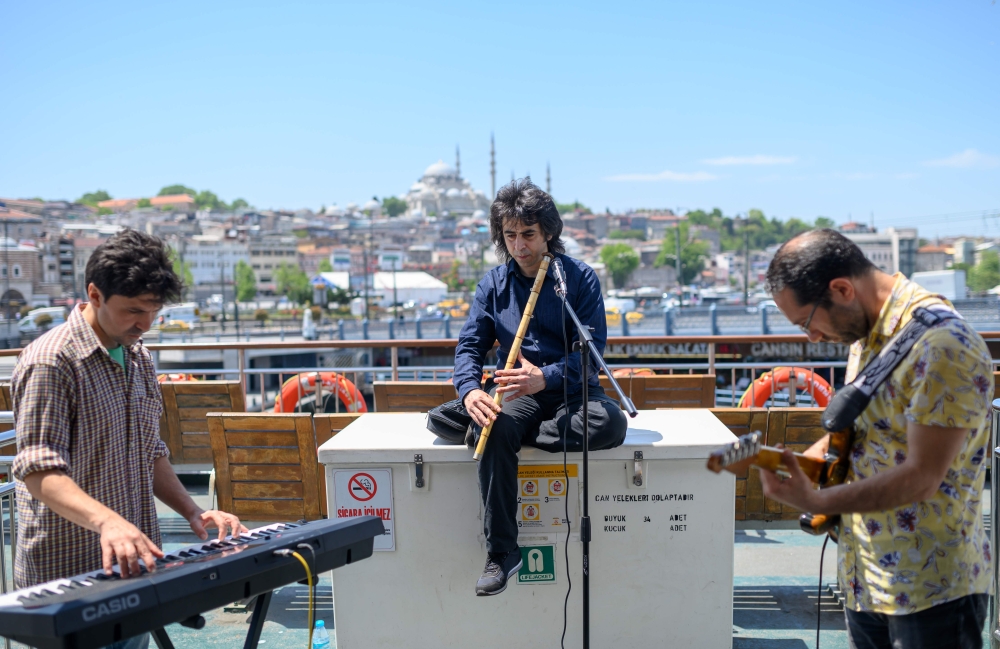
851 400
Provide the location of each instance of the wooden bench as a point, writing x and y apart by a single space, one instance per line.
327 425
184 425
666 391
6 403
742 421
797 429
266 466
412 396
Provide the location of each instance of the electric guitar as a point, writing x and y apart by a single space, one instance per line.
748 451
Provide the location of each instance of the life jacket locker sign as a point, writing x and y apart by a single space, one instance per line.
366 492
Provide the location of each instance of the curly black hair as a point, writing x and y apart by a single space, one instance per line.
132 263
522 200
807 263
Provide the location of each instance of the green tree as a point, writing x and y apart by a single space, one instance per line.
291 281
621 261
183 270
575 206
261 316
171 190
103 211
693 253
144 202
246 282
93 198
239 203
986 274
325 266
627 234
393 206
824 222
452 279
206 200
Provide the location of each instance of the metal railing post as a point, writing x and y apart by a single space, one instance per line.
625 325
994 623
340 328
447 325
668 322
764 328
713 322
364 329
242 360
392 332
419 333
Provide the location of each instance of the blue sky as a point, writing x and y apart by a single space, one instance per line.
797 109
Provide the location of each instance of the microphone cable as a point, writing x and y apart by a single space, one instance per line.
819 591
569 524
309 580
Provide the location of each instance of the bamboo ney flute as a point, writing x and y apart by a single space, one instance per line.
515 348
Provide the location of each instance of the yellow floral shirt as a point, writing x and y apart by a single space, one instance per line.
925 553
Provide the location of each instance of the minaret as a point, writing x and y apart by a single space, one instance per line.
458 164
548 179
511 175
493 169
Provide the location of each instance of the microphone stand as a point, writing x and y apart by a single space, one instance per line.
585 344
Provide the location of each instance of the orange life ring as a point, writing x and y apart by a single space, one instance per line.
163 378
625 372
302 384
809 381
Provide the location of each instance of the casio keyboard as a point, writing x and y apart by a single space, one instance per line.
94 609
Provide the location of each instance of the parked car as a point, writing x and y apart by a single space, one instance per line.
28 324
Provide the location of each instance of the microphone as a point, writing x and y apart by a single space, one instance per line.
560 277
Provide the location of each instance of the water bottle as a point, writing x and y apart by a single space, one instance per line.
321 639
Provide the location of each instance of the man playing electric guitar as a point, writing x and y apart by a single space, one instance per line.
913 555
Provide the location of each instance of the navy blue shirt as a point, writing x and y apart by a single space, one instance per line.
495 315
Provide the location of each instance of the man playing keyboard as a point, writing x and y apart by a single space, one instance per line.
87 413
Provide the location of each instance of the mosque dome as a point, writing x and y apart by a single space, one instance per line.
439 169
371 205
454 192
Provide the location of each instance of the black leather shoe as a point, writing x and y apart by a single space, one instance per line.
499 568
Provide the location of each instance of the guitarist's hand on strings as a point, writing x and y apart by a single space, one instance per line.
796 490
527 379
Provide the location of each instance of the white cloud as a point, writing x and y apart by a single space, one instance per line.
906 176
751 160
966 159
669 176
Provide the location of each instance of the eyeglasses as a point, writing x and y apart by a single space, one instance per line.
805 325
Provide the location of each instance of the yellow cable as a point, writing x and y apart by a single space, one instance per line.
309 580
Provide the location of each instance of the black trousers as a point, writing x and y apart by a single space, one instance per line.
955 625
537 420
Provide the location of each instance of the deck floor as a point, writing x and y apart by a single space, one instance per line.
774 597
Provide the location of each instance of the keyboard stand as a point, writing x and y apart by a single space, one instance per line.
261 604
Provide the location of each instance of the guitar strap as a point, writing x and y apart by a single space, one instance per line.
851 400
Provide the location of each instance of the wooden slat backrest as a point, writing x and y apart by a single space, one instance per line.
742 421
265 465
797 429
184 426
327 425
673 391
625 382
412 396
5 404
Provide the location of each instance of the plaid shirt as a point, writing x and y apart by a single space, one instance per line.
78 411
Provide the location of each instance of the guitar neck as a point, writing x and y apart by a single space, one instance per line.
771 459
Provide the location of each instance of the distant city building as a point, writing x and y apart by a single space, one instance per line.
83 247
933 257
965 251
213 260
442 189
178 202
267 255
892 251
